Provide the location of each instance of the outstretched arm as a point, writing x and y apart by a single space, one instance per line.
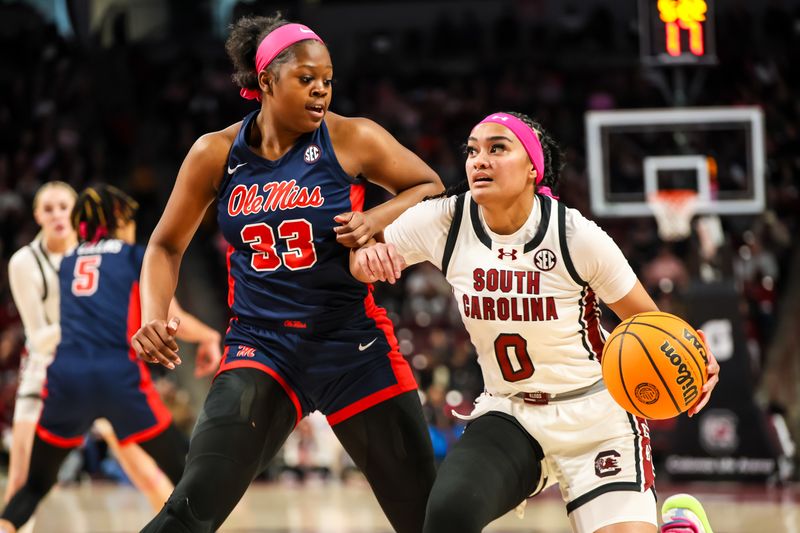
383 161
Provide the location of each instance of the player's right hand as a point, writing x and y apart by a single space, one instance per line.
155 342
380 261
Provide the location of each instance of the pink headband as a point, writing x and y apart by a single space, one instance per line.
273 44
530 142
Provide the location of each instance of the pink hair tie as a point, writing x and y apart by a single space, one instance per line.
273 44
99 233
544 189
83 231
530 142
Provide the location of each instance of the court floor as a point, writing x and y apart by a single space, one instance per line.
319 507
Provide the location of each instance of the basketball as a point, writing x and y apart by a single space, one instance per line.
654 365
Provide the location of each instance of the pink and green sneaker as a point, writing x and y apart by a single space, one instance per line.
683 513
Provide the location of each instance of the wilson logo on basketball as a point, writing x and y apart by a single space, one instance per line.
312 154
684 379
544 260
646 393
696 343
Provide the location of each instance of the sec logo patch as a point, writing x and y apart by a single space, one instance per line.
544 259
312 154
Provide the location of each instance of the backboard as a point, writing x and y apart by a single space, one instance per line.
717 151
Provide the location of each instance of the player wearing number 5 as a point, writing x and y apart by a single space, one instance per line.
528 274
95 373
288 186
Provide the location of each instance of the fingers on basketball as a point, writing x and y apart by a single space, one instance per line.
654 365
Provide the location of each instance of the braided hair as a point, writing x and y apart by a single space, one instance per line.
553 160
100 211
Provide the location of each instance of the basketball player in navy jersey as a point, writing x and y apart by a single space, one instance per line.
33 278
288 184
95 373
528 275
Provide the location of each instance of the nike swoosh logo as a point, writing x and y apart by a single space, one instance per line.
303 30
234 169
362 347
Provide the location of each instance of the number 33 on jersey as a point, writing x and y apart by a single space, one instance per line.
284 263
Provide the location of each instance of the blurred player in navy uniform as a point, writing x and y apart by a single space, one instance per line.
288 183
33 278
95 373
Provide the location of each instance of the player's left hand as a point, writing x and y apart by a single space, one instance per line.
380 262
713 379
208 356
356 229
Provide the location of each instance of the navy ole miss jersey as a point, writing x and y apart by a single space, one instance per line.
99 284
284 264
95 373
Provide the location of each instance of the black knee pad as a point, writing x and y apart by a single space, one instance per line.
246 418
177 517
241 403
245 395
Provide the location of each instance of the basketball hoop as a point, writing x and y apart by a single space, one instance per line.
673 209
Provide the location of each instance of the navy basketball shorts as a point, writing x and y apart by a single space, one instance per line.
340 371
90 383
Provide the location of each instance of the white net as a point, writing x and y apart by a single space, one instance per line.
673 210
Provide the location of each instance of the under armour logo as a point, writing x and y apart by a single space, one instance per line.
498 117
512 254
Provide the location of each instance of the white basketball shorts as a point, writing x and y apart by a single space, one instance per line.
597 453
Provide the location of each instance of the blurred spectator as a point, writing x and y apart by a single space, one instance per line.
665 272
312 450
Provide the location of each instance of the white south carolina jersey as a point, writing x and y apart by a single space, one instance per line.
529 300
33 276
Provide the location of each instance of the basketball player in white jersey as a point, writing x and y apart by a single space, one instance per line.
33 276
528 274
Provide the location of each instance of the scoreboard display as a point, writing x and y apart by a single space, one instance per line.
677 32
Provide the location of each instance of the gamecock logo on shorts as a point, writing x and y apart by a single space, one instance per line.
607 463
544 259
312 154
646 393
